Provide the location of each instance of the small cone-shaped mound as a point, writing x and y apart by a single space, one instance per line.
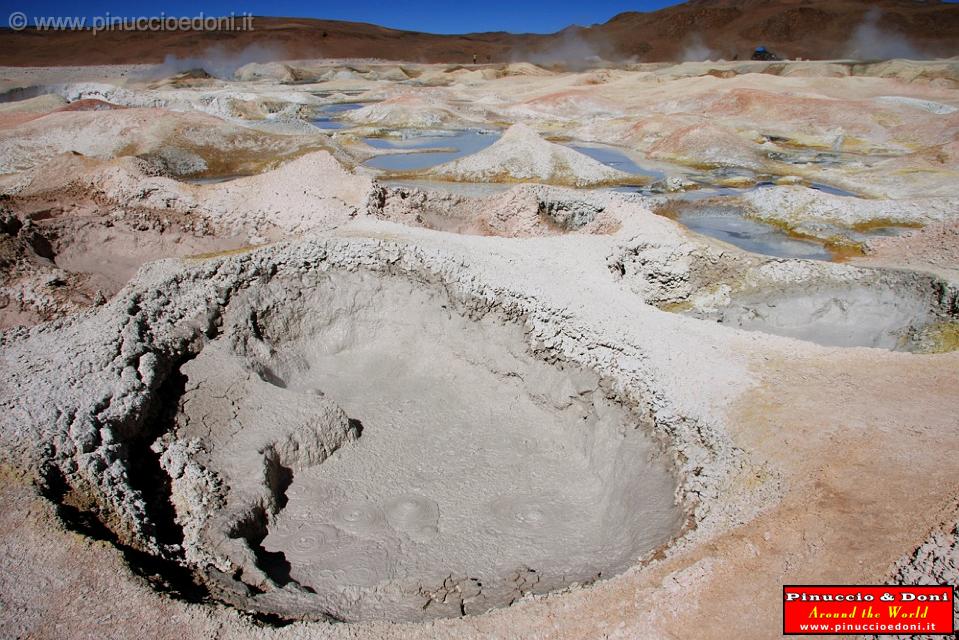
521 155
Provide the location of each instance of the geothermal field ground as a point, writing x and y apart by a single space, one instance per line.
364 349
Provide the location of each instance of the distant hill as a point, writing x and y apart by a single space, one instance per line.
816 29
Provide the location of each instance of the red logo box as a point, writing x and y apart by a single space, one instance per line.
872 610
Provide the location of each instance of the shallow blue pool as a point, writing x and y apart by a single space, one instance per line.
727 224
332 112
618 160
449 146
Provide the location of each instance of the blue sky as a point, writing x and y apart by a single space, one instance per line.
437 16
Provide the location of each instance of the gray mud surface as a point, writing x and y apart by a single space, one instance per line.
890 310
479 475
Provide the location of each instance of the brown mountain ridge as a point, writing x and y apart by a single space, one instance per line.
815 29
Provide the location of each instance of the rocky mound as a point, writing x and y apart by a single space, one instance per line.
270 71
700 144
309 193
521 155
525 210
122 215
183 142
799 207
404 111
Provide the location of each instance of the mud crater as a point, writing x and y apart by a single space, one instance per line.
892 310
352 447
831 304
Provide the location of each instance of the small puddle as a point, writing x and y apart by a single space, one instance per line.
342 107
448 146
328 123
341 92
332 113
891 231
836 191
824 158
23 93
616 159
214 179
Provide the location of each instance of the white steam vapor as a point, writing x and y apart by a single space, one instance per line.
218 61
571 51
871 42
697 51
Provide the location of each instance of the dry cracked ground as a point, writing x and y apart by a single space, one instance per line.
349 349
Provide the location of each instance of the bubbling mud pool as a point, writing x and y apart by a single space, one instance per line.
848 307
452 470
